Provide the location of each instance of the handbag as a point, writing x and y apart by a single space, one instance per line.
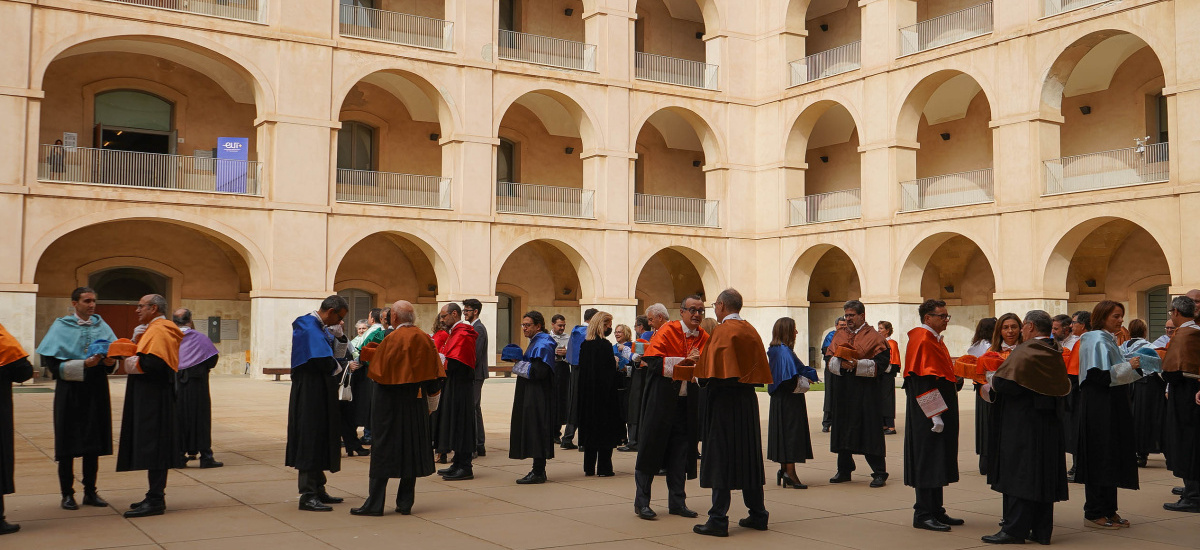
344 391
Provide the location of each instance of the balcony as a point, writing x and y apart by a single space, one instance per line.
85 165
369 187
241 10
671 70
841 59
1108 169
959 189
676 211
826 207
397 28
1055 7
543 50
947 29
545 200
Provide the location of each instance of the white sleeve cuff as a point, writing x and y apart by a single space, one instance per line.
71 371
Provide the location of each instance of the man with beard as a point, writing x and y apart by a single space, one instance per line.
456 423
857 356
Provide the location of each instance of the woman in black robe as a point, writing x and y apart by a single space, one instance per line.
1149 401
600 423
788 439
534 420
13 372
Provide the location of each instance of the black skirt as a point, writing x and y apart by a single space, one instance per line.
82 413
314 418
456 413
17 371
534 418
148 425
788 439
732 457
1149 413
195 407
400 431
1106 455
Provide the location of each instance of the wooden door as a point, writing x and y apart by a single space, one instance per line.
121 317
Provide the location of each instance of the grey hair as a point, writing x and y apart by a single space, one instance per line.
1184 305
182 320
658 310
1042 322
731 299
159 303
407 316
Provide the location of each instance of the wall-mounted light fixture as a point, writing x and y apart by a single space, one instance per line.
945 136
949 288
824 27
1091 283
569 150
696 163
568 12
566 292
699 35
824 158
1085 109
825 293
434 137
431 288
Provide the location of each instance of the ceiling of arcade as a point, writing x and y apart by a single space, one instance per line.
1114 259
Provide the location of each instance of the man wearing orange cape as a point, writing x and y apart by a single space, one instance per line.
14 368
733 363
858 355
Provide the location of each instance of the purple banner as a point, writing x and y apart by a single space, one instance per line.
232 154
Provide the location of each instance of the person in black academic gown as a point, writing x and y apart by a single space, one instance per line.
456 415
1181 369
313 413
1027 463
600 423
534 418
192 392
1149 401
638 377
857 407
788 439
14 369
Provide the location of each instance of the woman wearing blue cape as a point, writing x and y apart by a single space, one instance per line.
788 440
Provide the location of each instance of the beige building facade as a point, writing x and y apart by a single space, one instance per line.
1001 155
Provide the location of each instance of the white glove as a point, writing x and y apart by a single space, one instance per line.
138 331
938 425
432 401
131 365
986 392
336 331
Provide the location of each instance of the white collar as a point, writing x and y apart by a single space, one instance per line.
732 317
857 330
461 322
1006 347
931 331
401 325
689 333
1191 324
79 321
184 329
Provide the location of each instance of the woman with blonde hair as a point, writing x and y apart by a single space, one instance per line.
600 425
624 352
788 440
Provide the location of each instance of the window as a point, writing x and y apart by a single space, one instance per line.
504 321
356 146
360 302
508 13
129 120
1161 108
506 157
1158 301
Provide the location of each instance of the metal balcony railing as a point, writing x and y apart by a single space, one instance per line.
841 59
242 10
367 186
946 29
397 28
826 207
671 70
974 187
148 170
1117 168
545 200
543 50
676 210
1055 7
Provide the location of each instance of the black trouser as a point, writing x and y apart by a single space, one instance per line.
633 427
539 466
845 463
158 486
377 493
929 504
66 474
598 461
1099 501
311 482
827 407
1025 519
349 427
752 496
1191 491
477 386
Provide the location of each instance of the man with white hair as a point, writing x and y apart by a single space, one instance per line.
656 316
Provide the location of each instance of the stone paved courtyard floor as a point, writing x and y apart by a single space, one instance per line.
251 502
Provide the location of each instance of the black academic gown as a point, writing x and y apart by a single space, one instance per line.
637 393
195 407
363 389
600 419
1070 415
857 410
16 372
400 431
788 440
930 459
983 415
456 412
149 438
562 392
534 417
314 417
733 457
1027 460
82 413
1149 413
1106 456
664 411
1181 436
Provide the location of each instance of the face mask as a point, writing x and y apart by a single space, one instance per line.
607 332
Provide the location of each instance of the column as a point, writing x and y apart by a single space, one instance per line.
1020 145
469 162
611 30
879 35
609 174
272 314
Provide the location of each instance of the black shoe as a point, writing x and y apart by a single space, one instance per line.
588 474
751 523
445 471
889 431
711 530
1177 491
557 440
206 463
189 458
567 445
1141 462
312 503
878 480
931 525
532 479
1071 475
662 472
92 498
627 449
459 474
7 528
1042 541
787 482
326 498
949 520
840 478
365 441
442 459
1002 538
147 509
137 505
824 429
480 450
404 510
684 512
68 502
644 512
363 511
1184 505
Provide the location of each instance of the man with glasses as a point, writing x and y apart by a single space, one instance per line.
456 424
470 311
1165 340
857 357
668 429
1181 370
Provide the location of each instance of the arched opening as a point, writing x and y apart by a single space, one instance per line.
823 279
149 112
1108 88
928 24
125 260
669 43
545 33
539 164
418 23
823 38
668 278
1110 259
388 148
951 267
540 276
948 117
672 182
386 267
823 166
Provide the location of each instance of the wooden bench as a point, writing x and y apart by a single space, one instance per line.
506 370
277 371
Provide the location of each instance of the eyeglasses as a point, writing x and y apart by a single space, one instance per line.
526 325
692 310
945 316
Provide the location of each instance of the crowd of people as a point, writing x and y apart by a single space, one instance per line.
681 394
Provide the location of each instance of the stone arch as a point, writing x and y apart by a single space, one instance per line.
708 11
711 142
805 121
924 85
577 256
919 255
710 277
580 113
1080 40
399 77
804 265
1059 255
434 252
